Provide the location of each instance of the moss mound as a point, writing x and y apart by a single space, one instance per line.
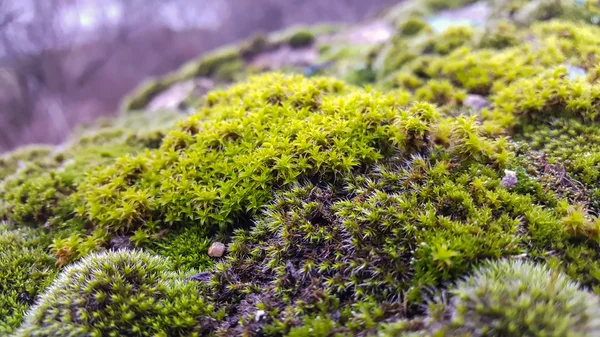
219 167
521 299
122 293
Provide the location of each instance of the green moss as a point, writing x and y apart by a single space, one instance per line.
41 194
123 293
412 26
256 137
254 46
449 40
301 39
229 71
209 64
442 93
350 208
514 298
186 249
361 76
142 96
26 269
364 252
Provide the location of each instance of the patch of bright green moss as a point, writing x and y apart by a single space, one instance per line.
38 194
41 195
412 26
219 167
186 248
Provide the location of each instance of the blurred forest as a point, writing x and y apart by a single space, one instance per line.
67 62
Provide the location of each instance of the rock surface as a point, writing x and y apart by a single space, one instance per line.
216 249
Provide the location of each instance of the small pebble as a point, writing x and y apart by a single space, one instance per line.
216 249
259 315
476 102
575 73
510 179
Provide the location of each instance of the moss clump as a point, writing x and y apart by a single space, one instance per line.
514 298
301 39
41 193
26 269
551 94
437 5
487 71
220 166
122 293
502 35
210 64
570 147
354 255
442 93
449 40
142 96
412 26
185 249
254 46
228 72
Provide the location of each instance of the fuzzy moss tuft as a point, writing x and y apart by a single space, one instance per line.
514 298
302 39
122 293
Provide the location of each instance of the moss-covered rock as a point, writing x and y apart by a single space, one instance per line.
342 211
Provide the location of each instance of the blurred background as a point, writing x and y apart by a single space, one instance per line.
67 62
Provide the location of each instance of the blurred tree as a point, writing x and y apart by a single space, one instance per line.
40 68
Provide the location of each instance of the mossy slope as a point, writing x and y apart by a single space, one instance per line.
345 211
